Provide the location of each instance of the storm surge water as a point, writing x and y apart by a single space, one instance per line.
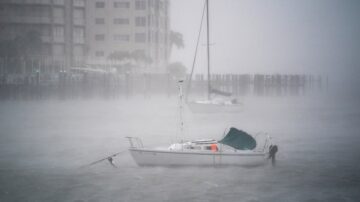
44 144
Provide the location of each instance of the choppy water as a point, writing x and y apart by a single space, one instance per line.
44 143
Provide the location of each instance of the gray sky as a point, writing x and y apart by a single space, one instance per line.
280 36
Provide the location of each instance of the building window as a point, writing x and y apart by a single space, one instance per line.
58 49
2 9
58 31
140 21
121 4
121 37
121 21
99 21
99 53
161 5
79 3
58 13
100 4
79 16
140 5
59 2
45 30
140 37
45 49
36 11
100 37
78 35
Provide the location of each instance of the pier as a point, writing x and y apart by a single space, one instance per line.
101 84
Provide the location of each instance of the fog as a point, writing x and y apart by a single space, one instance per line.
45 145
311 37
291 66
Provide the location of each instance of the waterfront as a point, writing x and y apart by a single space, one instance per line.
44 143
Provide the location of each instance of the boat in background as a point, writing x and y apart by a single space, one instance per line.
215 106
223 103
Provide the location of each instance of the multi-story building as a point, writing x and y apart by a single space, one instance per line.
128 26
60 24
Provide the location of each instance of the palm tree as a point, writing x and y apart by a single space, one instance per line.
130 60
176 70
137 56
176 38
140 56
121 57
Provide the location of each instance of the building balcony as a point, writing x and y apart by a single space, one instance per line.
58 20
59 39
46 39
25 20
59 2
79 22
79 40
79 3
32 2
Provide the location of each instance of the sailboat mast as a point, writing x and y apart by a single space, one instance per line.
208 47
181 121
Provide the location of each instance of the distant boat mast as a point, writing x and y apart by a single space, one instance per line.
208 47
181 121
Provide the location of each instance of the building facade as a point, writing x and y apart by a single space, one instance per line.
128 26
60 25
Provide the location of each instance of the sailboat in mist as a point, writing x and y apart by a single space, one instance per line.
212 104
235 148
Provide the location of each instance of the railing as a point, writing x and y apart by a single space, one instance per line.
46 2
26 19
267 143
79 3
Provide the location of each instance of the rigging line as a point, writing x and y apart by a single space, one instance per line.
208 46
196 50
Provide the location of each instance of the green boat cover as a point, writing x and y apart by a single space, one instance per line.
239 139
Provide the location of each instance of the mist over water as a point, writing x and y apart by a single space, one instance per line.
293 64
45 143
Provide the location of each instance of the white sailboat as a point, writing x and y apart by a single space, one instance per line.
212 104
197 153
236 148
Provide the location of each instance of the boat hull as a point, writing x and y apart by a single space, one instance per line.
154 157
214 107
